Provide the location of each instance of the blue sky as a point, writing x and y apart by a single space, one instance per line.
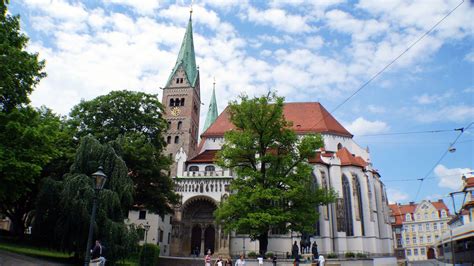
305 50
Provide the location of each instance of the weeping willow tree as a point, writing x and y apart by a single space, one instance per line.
64 207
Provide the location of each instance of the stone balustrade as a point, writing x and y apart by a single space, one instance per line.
220 173
203 184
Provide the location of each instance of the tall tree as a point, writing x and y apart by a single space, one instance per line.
272 189
133 123
20 71
64 207
28 142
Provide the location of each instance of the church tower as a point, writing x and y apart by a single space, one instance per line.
182 102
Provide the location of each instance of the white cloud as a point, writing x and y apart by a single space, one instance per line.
396 196
140 6
453 113
432 98
361 126
279 19
450 177
469 57
375 109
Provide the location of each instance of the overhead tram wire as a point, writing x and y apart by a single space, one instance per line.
451 145
430 177
391 62
409 132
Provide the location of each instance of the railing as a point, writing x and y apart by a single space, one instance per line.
202 184
221 173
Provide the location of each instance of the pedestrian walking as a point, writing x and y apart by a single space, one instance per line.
240 261
207 258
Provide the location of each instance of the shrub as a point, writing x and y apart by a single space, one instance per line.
350 255
252 255
361 255
149 255
332 256
269 255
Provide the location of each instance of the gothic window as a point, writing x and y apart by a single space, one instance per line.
182 101
176 102
359 203
179 125
168 139
176 139
371 205
169 124
171 102
193 168
346 192
339 146
315 186
210 168
324 185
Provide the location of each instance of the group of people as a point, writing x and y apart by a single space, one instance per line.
98 254
223 262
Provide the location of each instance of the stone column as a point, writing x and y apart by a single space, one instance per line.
203 230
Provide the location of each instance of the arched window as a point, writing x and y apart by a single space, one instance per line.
433 215
168 139
209 168
408 217
179 125
176 139
171 102
358 194
346 192
182 101
443 213
193 168
170 156
315 186
339 146
176 102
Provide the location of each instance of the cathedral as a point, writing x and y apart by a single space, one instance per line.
357 222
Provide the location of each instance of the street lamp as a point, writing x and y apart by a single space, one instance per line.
99 181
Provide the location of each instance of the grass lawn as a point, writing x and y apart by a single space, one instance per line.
32 251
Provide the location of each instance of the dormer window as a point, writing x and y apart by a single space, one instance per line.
443 213
408 217
210 168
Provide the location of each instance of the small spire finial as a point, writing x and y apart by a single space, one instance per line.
214 84
191 9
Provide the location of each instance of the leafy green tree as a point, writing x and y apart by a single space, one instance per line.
133 123
20 71
64 207
274 187
28 142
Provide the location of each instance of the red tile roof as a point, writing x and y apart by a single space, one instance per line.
317 158
399 211
307 117
348 159
208 156
469 183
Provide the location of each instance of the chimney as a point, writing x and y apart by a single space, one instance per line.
412 203
440 200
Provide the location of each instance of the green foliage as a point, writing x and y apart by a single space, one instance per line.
252 254
149 255
272 187
269 255
109 116
70 214
28 143
349 255
132 122
361 255
332 256
20 71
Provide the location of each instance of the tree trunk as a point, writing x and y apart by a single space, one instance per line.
263 243
17 226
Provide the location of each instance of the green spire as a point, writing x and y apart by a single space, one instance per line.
212 112
186 57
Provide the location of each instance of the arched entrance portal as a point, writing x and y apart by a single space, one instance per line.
198 224
431 254
196 240
210 238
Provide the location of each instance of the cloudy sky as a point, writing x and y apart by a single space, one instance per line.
305 50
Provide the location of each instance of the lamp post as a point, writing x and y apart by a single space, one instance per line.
99 181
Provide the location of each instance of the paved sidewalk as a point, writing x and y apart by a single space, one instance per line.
13 259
